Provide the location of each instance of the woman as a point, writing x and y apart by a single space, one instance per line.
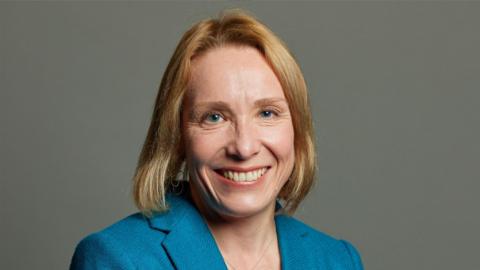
232 117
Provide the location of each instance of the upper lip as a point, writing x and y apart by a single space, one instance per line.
240 169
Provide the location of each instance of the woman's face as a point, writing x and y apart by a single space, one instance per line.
238 133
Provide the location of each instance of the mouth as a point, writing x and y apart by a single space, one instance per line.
243 175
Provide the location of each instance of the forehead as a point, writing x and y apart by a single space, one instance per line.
232 72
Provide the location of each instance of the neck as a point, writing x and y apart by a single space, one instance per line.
243 240
246 233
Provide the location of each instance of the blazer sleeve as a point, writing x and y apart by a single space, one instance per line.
99 251
354 255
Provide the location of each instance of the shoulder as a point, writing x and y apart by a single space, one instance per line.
119 245
321 248
135 241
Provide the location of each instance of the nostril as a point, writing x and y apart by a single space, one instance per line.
237 157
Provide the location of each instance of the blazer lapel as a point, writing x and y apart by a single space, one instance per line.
294 251
188 242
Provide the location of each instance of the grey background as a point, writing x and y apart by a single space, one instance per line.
395 95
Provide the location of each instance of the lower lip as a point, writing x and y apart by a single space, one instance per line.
242 184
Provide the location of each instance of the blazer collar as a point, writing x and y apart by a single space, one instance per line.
293 244
188 236
188 242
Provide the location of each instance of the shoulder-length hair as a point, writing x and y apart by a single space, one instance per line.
163 155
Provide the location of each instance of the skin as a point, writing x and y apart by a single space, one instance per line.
236 117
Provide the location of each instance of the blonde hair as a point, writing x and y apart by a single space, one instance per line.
162 154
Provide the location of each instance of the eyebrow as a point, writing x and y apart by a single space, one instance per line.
267 101
224 105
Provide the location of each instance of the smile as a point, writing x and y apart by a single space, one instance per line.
248 176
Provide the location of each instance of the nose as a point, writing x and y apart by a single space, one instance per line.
244 143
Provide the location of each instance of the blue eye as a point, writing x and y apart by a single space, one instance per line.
213 118
266 114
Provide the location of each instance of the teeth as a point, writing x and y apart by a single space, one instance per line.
244 176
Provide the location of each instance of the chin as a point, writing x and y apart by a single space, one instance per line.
243 207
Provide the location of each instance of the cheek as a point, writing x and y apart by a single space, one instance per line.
202 146
280 140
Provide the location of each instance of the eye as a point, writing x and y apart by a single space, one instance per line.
267 114
213 118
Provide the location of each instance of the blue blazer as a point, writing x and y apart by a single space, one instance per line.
180 239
